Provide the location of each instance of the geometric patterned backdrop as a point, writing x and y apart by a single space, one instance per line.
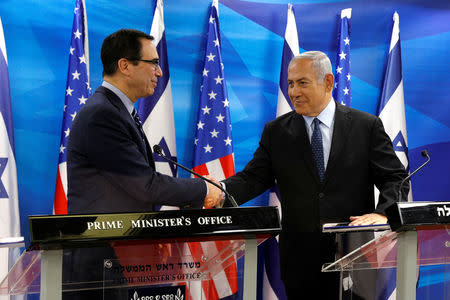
37 35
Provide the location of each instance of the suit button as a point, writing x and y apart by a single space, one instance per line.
321 195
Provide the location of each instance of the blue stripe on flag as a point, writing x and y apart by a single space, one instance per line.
148 104
276 190
287 56
5 99
271 263
393 76
155 7
386 283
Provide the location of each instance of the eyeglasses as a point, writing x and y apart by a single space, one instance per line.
154 61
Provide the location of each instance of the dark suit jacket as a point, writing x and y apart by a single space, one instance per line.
111 168
361 155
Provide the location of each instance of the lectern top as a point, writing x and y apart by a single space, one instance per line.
61 231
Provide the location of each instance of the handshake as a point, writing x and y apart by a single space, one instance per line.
214 198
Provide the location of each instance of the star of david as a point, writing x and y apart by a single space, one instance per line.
166 152
3 162
400 146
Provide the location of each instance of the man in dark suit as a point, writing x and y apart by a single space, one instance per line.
109 160
326 159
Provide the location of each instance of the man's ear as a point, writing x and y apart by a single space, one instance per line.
329 81
123 66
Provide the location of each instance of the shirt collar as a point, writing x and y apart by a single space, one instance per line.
326 117
129 105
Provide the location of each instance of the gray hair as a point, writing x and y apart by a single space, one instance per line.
320 61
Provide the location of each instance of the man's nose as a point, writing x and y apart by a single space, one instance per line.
159 72
295 91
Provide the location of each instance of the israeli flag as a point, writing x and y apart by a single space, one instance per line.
391 111
273 287
9 199
156 111
290 49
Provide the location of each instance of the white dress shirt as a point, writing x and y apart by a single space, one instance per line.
326 118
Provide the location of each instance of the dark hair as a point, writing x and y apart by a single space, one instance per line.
124 43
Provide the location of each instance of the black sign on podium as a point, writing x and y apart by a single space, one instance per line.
167 255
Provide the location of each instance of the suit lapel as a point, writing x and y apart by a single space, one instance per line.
149 153
144 146
304 145
342 124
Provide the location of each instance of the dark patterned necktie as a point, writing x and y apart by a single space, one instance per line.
147 149
138 122
317 148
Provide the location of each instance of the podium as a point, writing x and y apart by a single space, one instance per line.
419 236
171 254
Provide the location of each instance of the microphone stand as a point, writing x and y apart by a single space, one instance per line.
424 154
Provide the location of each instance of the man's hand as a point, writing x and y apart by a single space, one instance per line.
164 252
214 197
368 219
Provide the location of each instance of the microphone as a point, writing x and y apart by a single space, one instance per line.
158 150
424 154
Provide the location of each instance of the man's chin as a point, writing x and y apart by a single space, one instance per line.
299 110
150 92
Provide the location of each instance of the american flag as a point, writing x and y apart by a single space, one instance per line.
342 88
272 286
78 91
213 150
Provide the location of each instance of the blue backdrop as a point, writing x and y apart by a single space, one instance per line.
38 34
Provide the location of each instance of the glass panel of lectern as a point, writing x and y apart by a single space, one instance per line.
369 260
143 255
381 252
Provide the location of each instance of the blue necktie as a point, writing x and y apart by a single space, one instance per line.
317 149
